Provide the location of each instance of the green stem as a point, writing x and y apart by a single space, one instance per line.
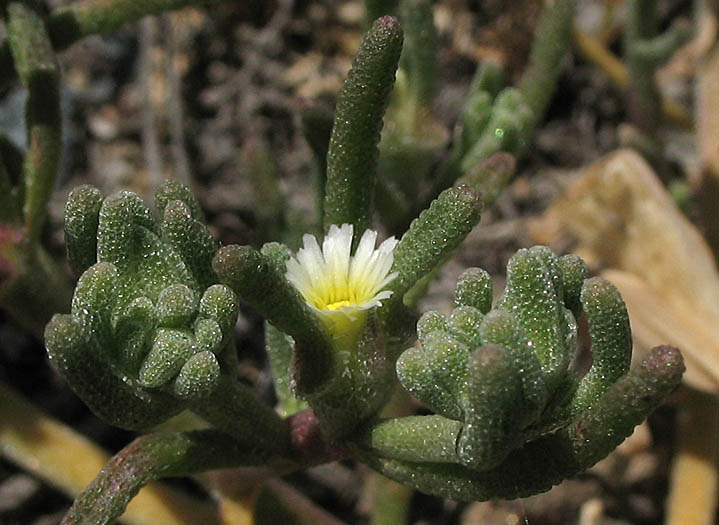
551 42
152 457
353 153
37 67
235 409
71 23
419 56
80 19
391 501
644 100
279 353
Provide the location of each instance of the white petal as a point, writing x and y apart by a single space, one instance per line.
331 275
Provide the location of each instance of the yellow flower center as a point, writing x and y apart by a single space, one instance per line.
336 305
339 285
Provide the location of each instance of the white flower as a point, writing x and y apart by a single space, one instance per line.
333 281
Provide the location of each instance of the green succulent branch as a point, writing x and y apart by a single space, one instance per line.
504 120
499 380
645 50
546 461
70 23
151 325
552 39
32 287
152 457
352 154
150 331
39 73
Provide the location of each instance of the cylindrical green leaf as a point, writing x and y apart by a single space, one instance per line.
436 373
413 438
352 155
474 288
198 377
464 323
82 213
610 337
171 190
91 378
176 306
257 280
189 236
93 301
501 328
433 235
574 271
219 302
492 414
531 296
120 215
170 350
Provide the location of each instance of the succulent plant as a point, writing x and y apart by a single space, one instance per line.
512 416
151 326
150 331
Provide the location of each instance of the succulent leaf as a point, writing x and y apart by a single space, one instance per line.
151 315
517 416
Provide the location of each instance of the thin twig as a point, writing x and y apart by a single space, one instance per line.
175 107
68 461
150 141
594 51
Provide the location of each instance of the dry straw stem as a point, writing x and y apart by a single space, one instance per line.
68 461
594 50
707 111
694 476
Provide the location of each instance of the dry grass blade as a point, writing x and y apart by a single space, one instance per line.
69 462
695 469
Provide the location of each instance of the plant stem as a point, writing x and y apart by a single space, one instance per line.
548 49
236 410
151 457
68 461
352 155
71 23
644 101
39 73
